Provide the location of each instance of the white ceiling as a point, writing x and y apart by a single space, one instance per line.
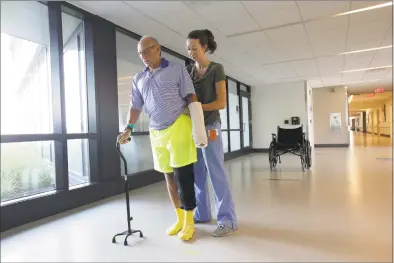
271 41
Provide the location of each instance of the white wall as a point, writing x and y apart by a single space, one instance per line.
325 101
272 104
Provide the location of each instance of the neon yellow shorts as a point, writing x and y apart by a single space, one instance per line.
173 147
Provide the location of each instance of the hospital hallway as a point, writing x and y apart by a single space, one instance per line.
340 211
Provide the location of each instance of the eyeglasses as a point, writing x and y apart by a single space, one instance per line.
146 50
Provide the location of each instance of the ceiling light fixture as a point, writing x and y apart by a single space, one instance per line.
365 9
360 81
365 50
364 69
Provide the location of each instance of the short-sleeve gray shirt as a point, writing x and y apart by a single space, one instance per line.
206 89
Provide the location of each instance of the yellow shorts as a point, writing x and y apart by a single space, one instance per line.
173 147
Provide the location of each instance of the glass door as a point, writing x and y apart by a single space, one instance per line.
245 119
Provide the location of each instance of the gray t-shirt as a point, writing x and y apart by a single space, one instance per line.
206 89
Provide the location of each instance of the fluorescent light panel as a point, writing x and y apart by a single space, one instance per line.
360 81
365 50
365 9
363 69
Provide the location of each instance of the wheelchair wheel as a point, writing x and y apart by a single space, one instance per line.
303 164
272 158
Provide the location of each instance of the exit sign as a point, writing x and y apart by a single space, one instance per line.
379 90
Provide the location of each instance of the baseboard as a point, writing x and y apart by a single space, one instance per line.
340 145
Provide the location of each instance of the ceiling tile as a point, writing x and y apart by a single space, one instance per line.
317 9
280 71
329 65
332 79
252 40
375 74
358 60
305 68
383 57
323 44
369 29
326 25
315 83
162 11
221 15
297 48
273 13
352 76
382 15
389 38
267 54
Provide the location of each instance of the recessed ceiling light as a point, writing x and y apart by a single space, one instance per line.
365 50
365 9
364 69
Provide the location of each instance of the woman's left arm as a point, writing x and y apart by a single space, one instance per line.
220 102
220 87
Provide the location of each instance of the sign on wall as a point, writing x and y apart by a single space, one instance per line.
379 90
335 122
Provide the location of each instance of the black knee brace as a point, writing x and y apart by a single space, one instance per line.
184 177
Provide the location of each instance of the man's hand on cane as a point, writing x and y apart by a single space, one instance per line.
124 137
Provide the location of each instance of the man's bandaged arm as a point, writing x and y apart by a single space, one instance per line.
197 116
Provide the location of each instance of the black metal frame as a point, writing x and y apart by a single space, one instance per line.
101 83
303 150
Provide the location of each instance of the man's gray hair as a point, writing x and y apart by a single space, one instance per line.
154 40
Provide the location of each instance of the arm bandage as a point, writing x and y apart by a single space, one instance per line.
199 133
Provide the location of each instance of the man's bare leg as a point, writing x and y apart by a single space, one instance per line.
172 188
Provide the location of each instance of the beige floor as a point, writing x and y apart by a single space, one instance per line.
340 211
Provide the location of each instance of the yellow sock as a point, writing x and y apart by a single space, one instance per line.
175 228
187 231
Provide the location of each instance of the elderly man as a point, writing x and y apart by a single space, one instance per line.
166 91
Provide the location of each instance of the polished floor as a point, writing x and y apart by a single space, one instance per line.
340 211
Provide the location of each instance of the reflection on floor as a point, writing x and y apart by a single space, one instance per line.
339 211
368 140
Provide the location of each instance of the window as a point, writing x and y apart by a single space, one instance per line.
225 141
27 168
75 90
26 99
74 74
243 88
172 58
233 105
128 64
137 152
78 162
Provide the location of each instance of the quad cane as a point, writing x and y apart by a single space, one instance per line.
129 231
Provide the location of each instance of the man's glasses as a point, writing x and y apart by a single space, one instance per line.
146 50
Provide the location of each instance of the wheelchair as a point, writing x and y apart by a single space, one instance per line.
292 140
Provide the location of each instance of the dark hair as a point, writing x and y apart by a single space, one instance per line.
206 38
